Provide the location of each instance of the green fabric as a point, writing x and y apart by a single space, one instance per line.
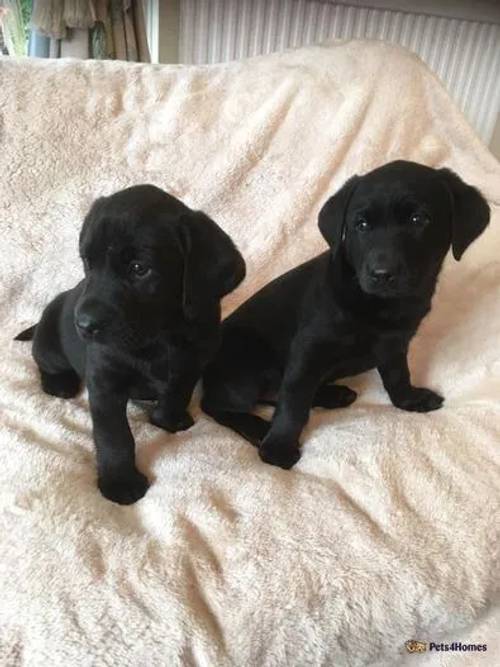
98 42
13 27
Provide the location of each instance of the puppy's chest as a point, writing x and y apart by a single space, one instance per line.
385 344
146 378
156 370
369 349
149 370
374 340
387 334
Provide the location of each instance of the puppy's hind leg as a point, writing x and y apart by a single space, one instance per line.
233 385
65 384
57 375
251 427
333 396
329 396
232 409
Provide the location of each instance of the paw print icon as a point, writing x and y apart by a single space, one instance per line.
414 646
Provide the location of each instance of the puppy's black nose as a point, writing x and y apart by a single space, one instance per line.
90 321
88 325
382 275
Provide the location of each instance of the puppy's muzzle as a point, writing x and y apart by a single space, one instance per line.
383 275
384 278
92 318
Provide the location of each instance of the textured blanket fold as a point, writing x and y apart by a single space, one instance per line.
387 530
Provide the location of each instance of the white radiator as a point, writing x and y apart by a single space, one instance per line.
464 54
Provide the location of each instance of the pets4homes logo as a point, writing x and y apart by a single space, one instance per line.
415 646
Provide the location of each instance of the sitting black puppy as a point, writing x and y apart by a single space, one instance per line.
141 325
353 308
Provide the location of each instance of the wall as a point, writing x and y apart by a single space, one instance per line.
495 139
169 23
459 39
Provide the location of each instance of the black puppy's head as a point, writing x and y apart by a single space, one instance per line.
151 265
395 225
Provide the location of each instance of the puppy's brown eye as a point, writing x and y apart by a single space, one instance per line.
139 270
419 219
362 223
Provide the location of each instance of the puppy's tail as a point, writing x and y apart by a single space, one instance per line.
27 334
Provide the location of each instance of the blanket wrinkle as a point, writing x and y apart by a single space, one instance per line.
204 609
387 530
193 535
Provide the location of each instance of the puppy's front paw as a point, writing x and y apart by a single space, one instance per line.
124 489
419 399
279 453
334 396
170 422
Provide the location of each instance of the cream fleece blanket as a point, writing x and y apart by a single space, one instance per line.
387 529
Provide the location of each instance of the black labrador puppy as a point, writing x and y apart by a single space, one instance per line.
353 308
141 325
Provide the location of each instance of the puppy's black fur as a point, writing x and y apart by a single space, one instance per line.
353 308
142 324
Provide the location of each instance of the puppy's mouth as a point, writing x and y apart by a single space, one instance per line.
389 289
126 336
132 337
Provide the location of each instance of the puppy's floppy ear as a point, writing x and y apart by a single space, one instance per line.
213 265
91 214
470 213
331 219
